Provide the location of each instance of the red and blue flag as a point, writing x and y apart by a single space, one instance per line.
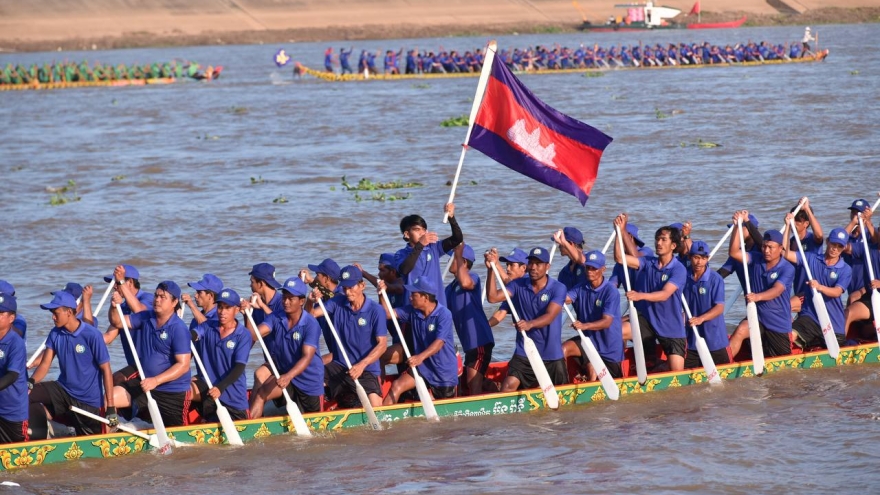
521 132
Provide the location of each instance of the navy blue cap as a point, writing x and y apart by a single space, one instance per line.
350 276
540 254
228 296
170 287
859 205
773 236
515 256
633 230
595 259
327 267
839 236
130 272
468 253
266 273
8 303
296 287
573 235
73 288
388 259
422 284
6 288
700 248
61 299
677 225
209 282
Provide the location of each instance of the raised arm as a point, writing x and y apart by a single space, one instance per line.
457 237
493 293
629 245
460 269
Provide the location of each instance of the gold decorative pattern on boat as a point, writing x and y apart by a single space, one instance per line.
74 452
18 458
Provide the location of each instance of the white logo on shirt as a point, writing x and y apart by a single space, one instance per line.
599 303
833 275
230 344
295 336
2 354
163 335
664 278
431 327
362 322
80 348
430 257
545 298
773 276
702 290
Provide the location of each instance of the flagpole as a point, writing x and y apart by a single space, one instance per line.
478 98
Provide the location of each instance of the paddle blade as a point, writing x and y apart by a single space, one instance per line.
540 371
755 338
368 408
158 425
425 398
638 350
825 322
875 305
602 373
232 435
296 418
706 359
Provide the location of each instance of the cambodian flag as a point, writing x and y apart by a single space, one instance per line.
521 132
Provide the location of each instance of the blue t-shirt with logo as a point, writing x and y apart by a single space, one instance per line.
572 277
702 295
470 321
359 330
80 353
146 299
836 275
220 355
276 304
14 398
591 304
286 348
664 316
441 369
427 264
800 275
530 306
158 347
774 314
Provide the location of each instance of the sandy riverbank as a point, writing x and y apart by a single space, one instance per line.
38 25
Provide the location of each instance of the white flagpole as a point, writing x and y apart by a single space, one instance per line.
478 98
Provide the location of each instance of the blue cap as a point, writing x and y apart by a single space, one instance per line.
8 303
859 205
170 287
388 259
595 259
130 272
6 288
73 288
266 273
468 253
677 225
228 296
700 248
61 299
540 254
633 230
752 219
295 286
573 235
515 256
773 236
327 267
350 276
422 284
208 282
839 236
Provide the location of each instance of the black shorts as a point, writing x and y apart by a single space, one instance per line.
58 402
775 343
479 358
306 403
671 346
614 368
520 368
173 406
438 392
866 300
719 357
207 407
125 374
13 431
810 334
340 386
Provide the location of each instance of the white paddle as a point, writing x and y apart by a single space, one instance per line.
702 348
875 296
478 99
155 415
818 303
103 298
602 373
537 364
608 243
361 393
751 310
421 388
635 329
299 424
150 438
232 435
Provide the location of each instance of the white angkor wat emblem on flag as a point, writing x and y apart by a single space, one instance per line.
530 142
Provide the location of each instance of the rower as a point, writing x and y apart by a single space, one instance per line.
266 300
84 377
223 345
13 376
831 276
538 300
515 267
421 256
464 295
862 309
360 325
126 276
433 351
854 254
162 342
704 292
204 306
292 338
811 242
659 310
394 289
571 245
771 280
20 324
596 305
326 277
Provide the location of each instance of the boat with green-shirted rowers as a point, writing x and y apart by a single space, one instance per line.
210 435
83 75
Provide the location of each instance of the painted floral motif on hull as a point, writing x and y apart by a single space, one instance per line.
210 436
19 458
74 452
116 447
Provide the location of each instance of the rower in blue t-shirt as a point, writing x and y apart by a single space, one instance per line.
704 292
344 65
13 376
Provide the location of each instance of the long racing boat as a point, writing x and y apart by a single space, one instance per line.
211 435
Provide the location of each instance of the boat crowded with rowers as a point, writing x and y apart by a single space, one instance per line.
601 368
65 75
